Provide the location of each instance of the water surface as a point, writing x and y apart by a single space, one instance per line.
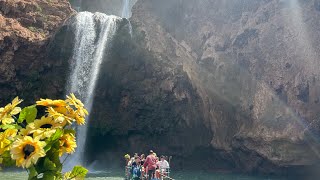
118 175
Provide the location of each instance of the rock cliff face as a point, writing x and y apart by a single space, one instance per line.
25 31
254 65
140 102
218 85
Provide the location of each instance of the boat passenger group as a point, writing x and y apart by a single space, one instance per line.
150 167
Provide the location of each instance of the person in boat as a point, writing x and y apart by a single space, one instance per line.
136 169
163 163
127 158
163 166
151 164
131 161
142 158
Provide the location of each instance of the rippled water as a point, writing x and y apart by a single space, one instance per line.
118 175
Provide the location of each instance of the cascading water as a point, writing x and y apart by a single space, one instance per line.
89 49
126 9
126 13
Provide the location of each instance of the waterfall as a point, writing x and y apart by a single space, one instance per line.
78 5
126 9
88 55
126 13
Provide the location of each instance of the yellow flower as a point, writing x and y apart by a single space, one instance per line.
28 131
10 110
59 115
79 119
53 103
78 115
67 144
62 110
10 133
72 100
27 151
80 112
7 120
45 127
6 139
46 123
68 114
4 145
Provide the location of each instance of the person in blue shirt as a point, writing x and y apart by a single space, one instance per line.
136 169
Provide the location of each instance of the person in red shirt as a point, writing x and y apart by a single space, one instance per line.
151 163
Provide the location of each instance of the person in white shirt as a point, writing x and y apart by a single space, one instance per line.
163 164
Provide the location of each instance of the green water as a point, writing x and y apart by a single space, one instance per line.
178 176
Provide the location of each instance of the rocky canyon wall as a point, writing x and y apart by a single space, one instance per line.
26 70
234 84
248 78
254 65
140 102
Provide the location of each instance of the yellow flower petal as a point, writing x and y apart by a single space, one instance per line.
67 144
51 103
15 111
26 151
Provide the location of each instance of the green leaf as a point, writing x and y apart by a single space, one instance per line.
55 137
47 148
32 173
78 172
44 165
10 126
49 165
48 176
28 113
53 155
47 169
6 159
33 178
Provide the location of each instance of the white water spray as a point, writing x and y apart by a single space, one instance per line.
87 57
126 13
126 9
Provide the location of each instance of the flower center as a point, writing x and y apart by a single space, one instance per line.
46 126
28 149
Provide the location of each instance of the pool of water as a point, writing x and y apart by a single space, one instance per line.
118 175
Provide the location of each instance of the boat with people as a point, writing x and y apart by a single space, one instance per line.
147 168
